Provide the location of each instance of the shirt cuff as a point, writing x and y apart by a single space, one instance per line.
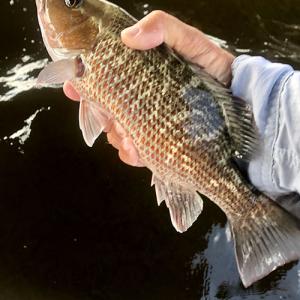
254 79
260 83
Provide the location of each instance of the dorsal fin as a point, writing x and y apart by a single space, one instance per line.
238 115
241 127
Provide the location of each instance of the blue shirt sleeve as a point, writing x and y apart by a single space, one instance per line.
273 91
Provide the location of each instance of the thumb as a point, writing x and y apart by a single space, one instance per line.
159 27
146 34
189 42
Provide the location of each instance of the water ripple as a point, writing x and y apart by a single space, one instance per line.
221 279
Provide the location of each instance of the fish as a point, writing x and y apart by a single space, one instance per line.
186 126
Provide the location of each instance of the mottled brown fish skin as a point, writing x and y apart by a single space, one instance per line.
176 122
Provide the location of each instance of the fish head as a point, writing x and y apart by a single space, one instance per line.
70 27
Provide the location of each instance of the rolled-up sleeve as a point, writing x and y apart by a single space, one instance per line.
273 91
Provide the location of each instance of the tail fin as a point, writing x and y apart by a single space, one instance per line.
266 238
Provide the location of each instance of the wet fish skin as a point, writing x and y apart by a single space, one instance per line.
184 125
174 117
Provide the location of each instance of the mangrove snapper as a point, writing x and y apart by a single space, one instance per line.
185 126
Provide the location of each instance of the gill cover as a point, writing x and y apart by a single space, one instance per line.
68 27
67 31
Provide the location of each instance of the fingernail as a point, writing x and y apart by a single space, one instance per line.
131 31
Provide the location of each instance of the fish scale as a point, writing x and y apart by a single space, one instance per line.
161 160
185 126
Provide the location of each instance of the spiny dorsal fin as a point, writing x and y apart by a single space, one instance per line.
238 115
241 126
185 205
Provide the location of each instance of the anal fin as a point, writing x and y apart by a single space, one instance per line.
185 205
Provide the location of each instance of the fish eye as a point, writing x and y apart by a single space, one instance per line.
73 3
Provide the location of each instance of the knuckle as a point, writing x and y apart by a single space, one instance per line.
109 139
157 15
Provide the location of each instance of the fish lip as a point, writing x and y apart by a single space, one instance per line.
40 4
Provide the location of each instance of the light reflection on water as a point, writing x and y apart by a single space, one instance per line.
18 80
280 46
222 281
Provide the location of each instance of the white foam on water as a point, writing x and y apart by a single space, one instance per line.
23 134
20 78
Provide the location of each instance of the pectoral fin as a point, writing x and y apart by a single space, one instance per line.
92 120
184 204
58 72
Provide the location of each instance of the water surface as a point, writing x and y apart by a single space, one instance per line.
75 222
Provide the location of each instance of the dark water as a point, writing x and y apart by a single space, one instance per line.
75 222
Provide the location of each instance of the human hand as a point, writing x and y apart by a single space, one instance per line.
116 135
157 28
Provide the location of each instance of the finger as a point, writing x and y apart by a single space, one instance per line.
147 33
114 140
118 129
116 133
119 139
70 91
130 158
191 43
159 27
129 154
